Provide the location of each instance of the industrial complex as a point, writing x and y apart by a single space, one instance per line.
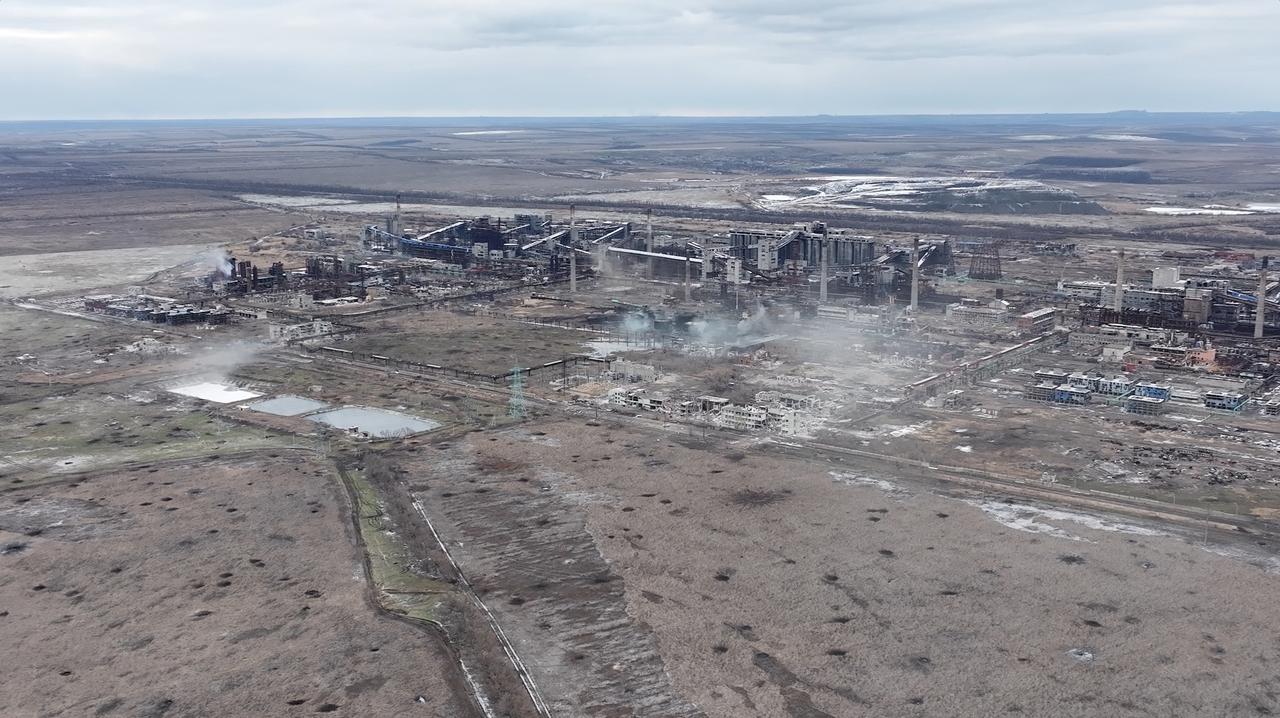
811 455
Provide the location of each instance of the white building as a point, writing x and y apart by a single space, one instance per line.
295 332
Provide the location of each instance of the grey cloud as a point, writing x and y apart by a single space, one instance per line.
299 57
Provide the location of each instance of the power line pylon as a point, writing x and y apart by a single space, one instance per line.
516 405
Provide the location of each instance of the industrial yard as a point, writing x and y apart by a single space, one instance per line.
430 436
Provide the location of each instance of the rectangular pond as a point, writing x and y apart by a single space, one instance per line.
378 423
288 405
215 392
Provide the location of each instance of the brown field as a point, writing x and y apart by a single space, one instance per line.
478 344
772 589
214 588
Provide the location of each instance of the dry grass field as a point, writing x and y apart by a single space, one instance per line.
209 588
782 589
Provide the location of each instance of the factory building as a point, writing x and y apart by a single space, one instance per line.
1161 302
1153 391
158 310
1173 301
799 247
1226 400
1039 321
1092 339
1072 394
1200 354
743 418
1059 393
296 332
1145 405
1086 291
1043 391
972 313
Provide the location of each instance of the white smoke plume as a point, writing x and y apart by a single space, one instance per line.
217 260
725 331
637 323
217 363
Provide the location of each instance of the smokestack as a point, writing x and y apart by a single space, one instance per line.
915 275
687 262
822 266
573 252
1119 303
1261 319
648 243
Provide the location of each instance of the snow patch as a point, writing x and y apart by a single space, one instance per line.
1033 519
1269 564
855 480
297 201
1190 211
1126 138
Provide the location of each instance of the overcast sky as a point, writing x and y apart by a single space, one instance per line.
306 58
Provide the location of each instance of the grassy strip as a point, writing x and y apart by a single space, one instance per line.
399 588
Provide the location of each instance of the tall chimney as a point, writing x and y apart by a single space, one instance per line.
648 243
1119 301
1261 317
573 250
687 261
915 275
822 263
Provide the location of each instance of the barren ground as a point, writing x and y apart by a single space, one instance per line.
223 588
774 589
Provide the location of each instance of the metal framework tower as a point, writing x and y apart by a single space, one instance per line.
515 406
985 263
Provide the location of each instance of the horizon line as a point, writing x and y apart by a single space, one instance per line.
647 116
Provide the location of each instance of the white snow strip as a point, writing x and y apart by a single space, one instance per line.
1033 519
855 480
1269 564
287 201
471 133
1188 211
1126 138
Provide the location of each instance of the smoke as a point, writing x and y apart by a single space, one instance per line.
217 261
724 331
637 323
220 362
603 262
